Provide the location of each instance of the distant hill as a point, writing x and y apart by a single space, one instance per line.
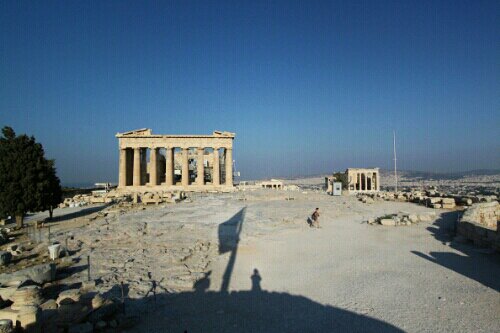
412 174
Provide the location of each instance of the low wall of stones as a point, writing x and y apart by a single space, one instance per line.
428 198
481 223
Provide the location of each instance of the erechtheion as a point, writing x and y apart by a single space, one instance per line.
152 162
363 180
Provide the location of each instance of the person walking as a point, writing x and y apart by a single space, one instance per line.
315 218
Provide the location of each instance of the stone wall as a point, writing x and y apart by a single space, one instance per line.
480 223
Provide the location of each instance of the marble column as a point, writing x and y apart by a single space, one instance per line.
137 167
229 166
153 167
200 167
216 168
377 186
185 167
144 166
122 173
169 167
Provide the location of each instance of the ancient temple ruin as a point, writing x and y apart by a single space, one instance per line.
175 162
363 180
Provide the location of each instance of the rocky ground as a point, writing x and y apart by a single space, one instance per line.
248 261
346 276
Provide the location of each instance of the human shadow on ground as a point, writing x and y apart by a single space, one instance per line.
255 310
481 267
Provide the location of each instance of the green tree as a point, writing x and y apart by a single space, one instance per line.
341 177
51 188
28 181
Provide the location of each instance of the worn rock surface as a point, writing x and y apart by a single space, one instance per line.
248 262
39 274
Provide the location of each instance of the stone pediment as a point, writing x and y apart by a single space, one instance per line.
226 134
137 132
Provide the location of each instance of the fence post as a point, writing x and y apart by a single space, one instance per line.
88 268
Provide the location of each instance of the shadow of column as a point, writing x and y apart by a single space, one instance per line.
229 237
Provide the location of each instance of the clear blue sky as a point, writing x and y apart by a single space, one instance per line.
309 87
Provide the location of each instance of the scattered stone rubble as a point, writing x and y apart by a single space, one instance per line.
39 274
36 299
136 247
27 297
402 219
429 198
81 200
71 310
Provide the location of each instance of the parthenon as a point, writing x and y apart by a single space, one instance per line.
363 180
175 162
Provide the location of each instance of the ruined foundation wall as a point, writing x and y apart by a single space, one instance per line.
480 223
